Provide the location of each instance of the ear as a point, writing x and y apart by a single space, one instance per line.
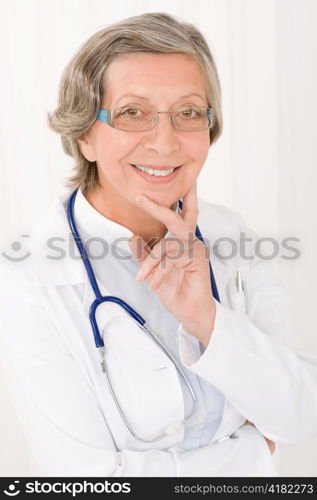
86 148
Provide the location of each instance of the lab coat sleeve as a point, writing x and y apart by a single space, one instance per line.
258 361
64 426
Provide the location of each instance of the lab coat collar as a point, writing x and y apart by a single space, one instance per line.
55 259
94 226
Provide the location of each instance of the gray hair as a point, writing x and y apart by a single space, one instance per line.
82 84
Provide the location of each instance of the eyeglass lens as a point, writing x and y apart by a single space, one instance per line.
138 118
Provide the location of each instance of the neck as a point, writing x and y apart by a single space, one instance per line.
110 204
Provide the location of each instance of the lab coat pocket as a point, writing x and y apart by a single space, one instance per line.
253 299
146 384
268 462
244 302
256 449
238 302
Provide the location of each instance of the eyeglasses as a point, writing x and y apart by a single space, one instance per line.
140 118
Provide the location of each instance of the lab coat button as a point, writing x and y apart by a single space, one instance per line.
197 428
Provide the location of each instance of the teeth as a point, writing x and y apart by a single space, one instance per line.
150 171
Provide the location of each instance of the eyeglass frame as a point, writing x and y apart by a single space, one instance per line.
104 116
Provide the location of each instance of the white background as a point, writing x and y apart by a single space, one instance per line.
264 165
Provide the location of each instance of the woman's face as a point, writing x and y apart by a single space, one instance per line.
162 82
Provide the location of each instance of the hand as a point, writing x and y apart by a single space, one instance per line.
177 269
270 443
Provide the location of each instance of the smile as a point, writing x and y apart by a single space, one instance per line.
152 171
157 175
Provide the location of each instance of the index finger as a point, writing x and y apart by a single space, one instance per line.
172 220
190 208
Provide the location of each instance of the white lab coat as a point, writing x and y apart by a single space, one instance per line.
61 396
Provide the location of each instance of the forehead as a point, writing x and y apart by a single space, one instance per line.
154 76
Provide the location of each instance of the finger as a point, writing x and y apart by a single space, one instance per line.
168 246
159 273
180 252
190 208
139 249
172 220
270 444
249 423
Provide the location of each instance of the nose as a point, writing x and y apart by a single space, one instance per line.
163 138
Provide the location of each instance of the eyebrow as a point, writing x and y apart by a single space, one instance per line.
146 98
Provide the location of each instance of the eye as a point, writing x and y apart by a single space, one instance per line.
189 113
130 112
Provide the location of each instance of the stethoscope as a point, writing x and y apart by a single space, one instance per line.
100 299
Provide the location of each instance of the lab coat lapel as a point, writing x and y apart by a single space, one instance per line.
224 276
56 260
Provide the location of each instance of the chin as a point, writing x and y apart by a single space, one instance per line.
164 199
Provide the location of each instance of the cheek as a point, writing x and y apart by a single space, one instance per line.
114 151
115 146
198 150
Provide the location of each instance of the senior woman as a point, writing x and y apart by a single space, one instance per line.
139 108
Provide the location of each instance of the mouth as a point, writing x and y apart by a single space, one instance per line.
157 174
